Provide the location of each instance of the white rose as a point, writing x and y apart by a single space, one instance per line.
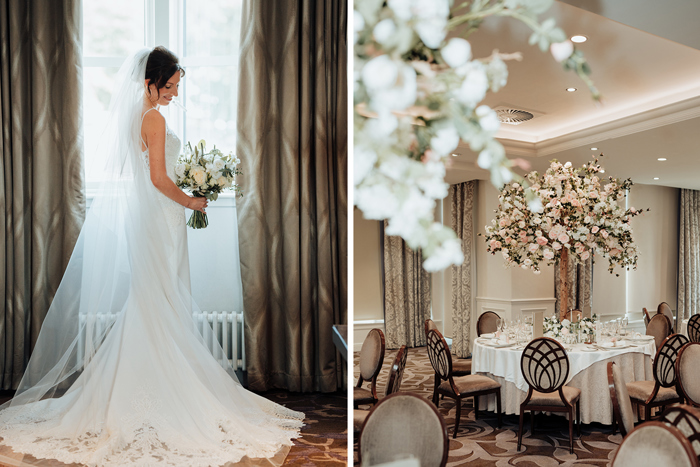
222 181
218 164
180 170
199 176
457 52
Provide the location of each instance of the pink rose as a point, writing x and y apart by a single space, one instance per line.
615 252
542 240
533 247
564 238
556 245
595 229
502 223
585 255
604 233
552 234
548 254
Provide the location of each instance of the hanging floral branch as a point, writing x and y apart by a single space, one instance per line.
417 94
578 212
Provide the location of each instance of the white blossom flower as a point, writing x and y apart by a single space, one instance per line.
562 50
488 119
363 162
447 254
457 52
474 85
445 140
384 30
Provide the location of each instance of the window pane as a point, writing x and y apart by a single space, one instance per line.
112 29
212 30
211 99
98 84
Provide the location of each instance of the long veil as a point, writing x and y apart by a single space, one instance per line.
119 260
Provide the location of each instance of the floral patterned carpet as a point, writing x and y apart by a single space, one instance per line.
481 443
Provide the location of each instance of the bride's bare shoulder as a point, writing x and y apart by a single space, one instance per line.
153 121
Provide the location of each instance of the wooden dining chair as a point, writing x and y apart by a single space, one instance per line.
647 317
487 322
659 327
460 366
623 413
545 367
371 359
694 328
404 425
687 420
661 391
665 309
393 385
687 365
458 387
655 443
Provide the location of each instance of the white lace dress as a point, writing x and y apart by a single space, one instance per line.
153 394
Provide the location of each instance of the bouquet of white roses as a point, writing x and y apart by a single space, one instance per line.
206 174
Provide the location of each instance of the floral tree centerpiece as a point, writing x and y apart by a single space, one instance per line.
575 214
418 93
556 328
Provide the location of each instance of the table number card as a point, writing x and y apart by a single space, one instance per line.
537 324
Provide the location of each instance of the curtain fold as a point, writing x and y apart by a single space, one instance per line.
407 293
580 283
463 225
689 254
292 141
41 188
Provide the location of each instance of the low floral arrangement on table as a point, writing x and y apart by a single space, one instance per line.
556 329
206 174
417 93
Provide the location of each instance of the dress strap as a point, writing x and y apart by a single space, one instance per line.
142 117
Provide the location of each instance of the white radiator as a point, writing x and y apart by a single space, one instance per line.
227 327
228 330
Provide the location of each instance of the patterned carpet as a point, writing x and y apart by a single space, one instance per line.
324 438
481 443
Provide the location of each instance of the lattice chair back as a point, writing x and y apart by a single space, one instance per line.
404 425
694 328
658 327
439 354
545 365
396 371
655 443
429 326
487 322
372 354
687 420
665 361
665 309
687 373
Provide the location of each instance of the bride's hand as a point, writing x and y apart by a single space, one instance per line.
197 203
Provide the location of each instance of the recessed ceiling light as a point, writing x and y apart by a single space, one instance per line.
594 149
455 155
579 39
602 171
656 178
570 89
661 159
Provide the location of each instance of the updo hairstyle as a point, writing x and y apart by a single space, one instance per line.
161 65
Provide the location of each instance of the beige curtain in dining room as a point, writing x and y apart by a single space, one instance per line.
292 142
407 293
462 215
42 195
580 284
689 254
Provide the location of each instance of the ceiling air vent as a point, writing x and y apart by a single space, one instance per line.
513 116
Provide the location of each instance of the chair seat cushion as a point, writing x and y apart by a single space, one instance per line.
461 366
553 398
362 395
641 390
469 384
358 418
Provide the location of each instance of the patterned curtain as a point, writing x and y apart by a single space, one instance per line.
462 223
292 219
580 283
689 254
41 186
407 295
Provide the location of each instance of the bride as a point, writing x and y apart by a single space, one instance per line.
120 374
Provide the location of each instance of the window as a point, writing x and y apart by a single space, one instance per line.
205 35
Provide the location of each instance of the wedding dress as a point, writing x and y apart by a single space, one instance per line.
142 388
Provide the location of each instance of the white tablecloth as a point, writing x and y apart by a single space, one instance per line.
588 372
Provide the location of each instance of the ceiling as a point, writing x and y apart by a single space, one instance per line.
645 57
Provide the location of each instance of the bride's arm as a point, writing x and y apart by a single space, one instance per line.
154 129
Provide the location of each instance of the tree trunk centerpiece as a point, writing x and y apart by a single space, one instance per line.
565 212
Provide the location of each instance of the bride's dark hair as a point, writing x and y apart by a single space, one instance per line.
161 65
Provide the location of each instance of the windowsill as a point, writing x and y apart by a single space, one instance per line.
226 199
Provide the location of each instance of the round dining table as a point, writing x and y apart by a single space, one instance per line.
588 371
